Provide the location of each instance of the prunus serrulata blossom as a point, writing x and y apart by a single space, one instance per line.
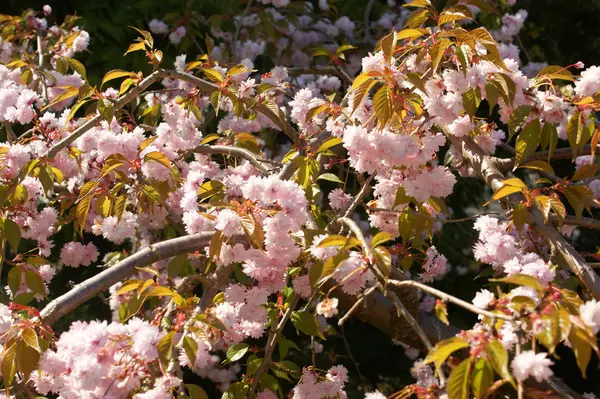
216 194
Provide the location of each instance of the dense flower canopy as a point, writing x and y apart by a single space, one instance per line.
217 196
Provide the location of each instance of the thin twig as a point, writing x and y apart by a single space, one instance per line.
238 27
10 134
359 235
402 311
40 51
356 305
271 343
321 70
202 84
364 191
258 163
352 358
367 21
441 220
449 298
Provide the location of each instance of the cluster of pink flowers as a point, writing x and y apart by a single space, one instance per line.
97 359
76 254
506 251
530 364
314 386
242 312
435 265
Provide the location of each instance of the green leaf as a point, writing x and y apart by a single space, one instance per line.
165 348
27 360
13 234
443 349
9 365
307 323
78 67
381 238
331 264
237 351
581 348
520 216
586 171
437 52
580 198
549 139
14 279
538 165
176 266
213 74
499 359
458 383
82 210
330 177
31 339
409 33
578 132
518 118
382 101
521 279
106 109
332 241
401 197
284 346
555 72
159 157
441 312
384 260
196 392
505 191
329 143
471 100
482 377
114 74
528 140
35 282
388 45
191 348
26 77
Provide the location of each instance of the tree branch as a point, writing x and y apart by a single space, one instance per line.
206 86
202 84
258 163
321 70
449 298
588 223
364 191
120 103
484 166
271 343
91 287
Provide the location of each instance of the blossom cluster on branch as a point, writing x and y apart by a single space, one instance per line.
221 178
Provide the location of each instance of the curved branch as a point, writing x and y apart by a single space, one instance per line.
449 298
120 103
202 84
206 86
367 21
271 343
485 166
323 70
258 163
587 223
91 287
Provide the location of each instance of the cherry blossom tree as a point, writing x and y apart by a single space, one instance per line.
217 197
